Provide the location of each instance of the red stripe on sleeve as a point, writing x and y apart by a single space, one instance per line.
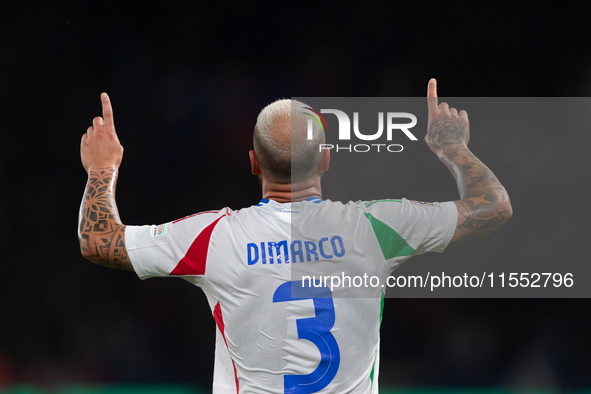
194 261
193 215
217 316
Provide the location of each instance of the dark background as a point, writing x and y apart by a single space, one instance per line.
187 82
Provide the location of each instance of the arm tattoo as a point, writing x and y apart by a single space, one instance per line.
100 232
481 194
476 219
484 204
474 179
448 131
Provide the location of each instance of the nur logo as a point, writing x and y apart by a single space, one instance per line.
345 129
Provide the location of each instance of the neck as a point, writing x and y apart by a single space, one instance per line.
291 192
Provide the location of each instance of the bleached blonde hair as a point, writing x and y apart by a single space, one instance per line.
280 140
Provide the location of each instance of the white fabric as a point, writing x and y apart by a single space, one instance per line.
261 335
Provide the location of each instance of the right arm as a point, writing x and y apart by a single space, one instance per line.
100 231
484 204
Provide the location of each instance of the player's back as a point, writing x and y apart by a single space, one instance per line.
285 335
264 268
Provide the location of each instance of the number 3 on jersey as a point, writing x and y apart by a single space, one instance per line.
316 330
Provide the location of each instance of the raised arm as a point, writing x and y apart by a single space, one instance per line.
484 204
100 231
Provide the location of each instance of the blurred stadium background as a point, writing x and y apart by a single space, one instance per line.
187 83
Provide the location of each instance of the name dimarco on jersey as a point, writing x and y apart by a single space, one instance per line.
298 251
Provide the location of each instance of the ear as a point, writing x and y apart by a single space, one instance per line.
325 160
254 163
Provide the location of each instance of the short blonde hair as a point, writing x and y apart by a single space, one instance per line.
280 140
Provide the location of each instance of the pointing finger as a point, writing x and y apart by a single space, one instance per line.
107 111
432 96
432 88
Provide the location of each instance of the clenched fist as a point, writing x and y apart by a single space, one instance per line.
100 147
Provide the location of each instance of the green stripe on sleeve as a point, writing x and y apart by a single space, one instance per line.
391 243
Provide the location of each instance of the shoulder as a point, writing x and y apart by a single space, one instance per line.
372 207
206 215
398 205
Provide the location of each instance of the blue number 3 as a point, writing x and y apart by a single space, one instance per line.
316 330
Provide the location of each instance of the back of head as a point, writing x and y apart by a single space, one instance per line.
280 141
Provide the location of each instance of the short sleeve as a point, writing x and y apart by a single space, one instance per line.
177 248
406 227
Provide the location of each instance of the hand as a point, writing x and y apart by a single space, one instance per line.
445 126
100 147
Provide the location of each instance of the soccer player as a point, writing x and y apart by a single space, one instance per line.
276 334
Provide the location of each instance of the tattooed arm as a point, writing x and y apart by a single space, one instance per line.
100 231
484 204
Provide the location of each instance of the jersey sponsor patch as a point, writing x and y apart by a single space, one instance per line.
430 204
160 230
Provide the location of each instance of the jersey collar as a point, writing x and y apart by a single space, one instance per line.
313 199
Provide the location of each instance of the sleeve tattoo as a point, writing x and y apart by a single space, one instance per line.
101 233
482 194
484 204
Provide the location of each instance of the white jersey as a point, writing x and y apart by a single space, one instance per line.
279 331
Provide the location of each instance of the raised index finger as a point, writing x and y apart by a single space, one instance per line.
432 96
107 111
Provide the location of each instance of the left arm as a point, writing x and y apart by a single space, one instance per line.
484 204
100 231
